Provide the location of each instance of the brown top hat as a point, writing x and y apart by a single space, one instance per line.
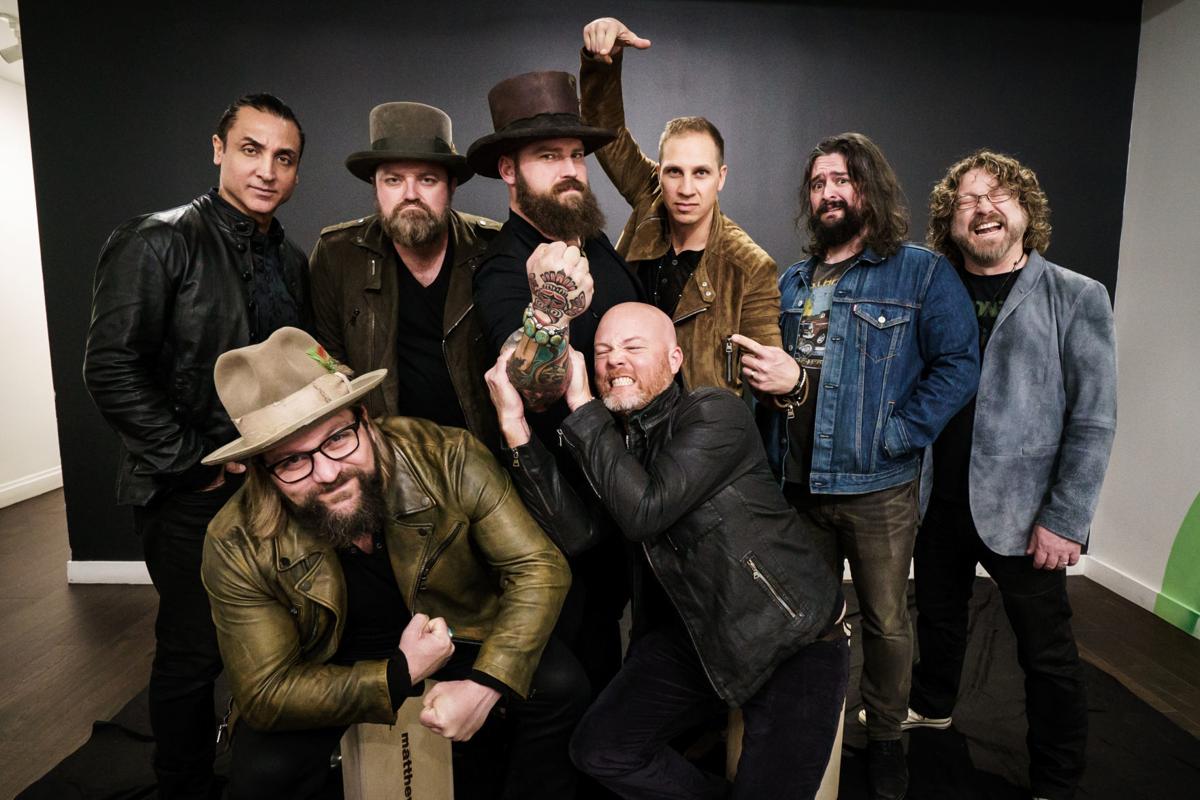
409 132
277 387
529 107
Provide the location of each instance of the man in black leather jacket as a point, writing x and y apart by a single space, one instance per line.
732 602
174 290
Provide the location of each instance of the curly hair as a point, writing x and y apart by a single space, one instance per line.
885 218
1008 172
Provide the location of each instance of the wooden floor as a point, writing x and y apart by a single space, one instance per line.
75 654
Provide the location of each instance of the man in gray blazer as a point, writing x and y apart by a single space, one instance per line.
1017 472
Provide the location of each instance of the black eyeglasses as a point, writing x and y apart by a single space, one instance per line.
336 446
995 197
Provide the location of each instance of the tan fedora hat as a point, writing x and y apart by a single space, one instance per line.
273 389
404 131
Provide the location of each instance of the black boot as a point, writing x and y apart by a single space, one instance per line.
887 771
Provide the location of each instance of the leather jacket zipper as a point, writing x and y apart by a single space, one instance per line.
761 578
423 575
562 440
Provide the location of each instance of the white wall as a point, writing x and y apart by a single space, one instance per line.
1154 475
29 460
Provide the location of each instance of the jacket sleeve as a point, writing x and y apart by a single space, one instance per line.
551 501
501 293
1089 369
708 441
948 336
274 688
326 300
532 573
601 104
132 303
761 304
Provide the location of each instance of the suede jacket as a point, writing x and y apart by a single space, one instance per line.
688 484
1046 411
174 290
355 301
901 358
462 547
733 289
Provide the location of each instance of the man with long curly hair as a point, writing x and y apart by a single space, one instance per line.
1017 472
879 353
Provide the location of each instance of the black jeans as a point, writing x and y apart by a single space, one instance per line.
662 690
534 733
1036 603
186 659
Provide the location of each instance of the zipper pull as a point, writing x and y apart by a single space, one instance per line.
560 437
354 316
516 458
728 360
791 411
628 441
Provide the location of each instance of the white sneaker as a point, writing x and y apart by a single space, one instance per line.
914 720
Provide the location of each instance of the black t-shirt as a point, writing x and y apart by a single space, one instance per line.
810 353
952 449
665 278
376 613
425 388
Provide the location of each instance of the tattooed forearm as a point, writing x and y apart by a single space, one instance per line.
540 372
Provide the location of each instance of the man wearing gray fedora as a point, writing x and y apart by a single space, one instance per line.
393 289
362 556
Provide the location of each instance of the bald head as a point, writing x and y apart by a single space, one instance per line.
636 356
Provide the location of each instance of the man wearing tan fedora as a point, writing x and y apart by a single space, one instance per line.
174 290
393 289
545 281
361 557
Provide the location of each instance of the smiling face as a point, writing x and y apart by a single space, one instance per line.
990 235
636 356
259 161
691 175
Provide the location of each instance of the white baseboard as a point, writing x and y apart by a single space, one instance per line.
29 486
1120 583
107 572
1078 569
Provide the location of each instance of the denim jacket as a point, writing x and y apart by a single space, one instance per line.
901 358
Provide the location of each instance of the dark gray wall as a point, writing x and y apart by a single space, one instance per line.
123 98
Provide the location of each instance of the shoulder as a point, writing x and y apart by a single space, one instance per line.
346 230
740 251
1071 283
917 255
416 435
712 404
472 230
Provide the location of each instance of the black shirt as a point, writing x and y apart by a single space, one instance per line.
664 278
425 388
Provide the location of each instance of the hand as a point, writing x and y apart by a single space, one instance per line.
457 709
767 370
578 391
560 283
232 467
605 37
426 644
510 408
1051 551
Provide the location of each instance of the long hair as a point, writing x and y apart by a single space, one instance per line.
1008 172
262 502
885 217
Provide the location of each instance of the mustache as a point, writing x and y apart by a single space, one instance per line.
830 205
566 184
412 204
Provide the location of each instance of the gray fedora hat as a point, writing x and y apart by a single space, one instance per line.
275 388
529 107
409 132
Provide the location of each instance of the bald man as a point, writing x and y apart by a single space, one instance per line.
732 604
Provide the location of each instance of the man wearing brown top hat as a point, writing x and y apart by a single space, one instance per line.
361 557
545 281
393 289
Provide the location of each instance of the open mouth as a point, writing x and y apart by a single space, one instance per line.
987 228
621 380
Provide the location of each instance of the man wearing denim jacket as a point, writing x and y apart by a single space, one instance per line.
1017 472
880 351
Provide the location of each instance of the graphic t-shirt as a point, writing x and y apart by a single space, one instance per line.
810 354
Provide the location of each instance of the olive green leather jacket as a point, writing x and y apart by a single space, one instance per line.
462 546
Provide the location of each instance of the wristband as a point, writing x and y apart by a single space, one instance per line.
542 334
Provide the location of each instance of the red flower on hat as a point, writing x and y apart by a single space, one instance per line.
319 355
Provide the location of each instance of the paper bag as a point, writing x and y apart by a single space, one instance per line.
405 761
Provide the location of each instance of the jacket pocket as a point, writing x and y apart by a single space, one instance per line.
880 328
772 588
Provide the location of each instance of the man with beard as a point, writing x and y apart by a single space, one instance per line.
733 606
393 290
174 290
353 535
1017 472
538 296
886 339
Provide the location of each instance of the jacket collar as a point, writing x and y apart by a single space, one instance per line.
235 222
464 245
806 267
658 409
1027 279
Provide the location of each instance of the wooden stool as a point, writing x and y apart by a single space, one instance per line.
405 761
833 770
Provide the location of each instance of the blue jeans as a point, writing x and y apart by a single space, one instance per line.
1036 603
662 690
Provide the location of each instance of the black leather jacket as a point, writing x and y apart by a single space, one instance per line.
689 485
173 291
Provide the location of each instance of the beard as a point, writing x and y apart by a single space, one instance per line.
341 530
654 384
989 255
561 219
414 229
834 234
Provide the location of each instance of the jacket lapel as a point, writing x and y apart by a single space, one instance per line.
1028 278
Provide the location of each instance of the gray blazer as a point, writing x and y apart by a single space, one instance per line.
1046 410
